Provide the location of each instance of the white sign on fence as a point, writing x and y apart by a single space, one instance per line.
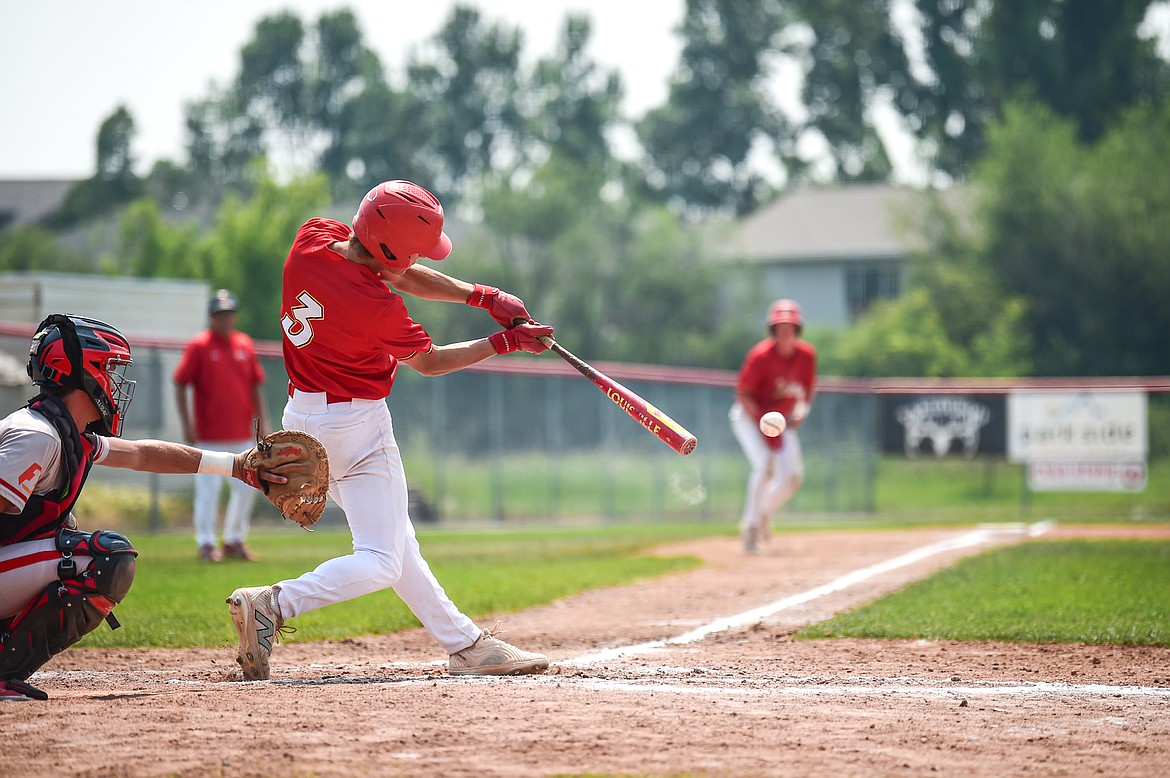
1087 476
1082 426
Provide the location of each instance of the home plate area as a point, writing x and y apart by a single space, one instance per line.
693 674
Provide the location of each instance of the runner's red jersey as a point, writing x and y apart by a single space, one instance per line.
778 383
344 330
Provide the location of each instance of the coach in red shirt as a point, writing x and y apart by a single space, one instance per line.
220 366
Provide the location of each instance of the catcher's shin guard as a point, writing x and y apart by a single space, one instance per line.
67 610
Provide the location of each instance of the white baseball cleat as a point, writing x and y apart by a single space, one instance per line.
489 655
259 625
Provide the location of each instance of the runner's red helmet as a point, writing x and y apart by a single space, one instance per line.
79 353
786 312
398 219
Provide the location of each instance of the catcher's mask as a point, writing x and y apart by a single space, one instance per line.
397 220
74 352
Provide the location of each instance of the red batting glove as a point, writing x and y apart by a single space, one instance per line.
504 308
522 337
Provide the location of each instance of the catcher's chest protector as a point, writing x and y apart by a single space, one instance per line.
67 610
44 514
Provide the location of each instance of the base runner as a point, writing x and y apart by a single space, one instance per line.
778 374
57 583
346 329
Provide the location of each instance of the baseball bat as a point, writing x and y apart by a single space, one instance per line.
655 421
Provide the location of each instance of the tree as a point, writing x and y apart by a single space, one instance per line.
852 60
468 84
35 248
246 249
113 184
573 104
1080 232
1083 59
697 145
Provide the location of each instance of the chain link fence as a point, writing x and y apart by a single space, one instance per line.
525 440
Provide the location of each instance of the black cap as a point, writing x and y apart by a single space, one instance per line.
222 302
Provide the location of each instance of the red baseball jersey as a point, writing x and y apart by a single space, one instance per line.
222 373
344 330
778 383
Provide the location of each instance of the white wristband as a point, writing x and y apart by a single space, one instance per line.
217 462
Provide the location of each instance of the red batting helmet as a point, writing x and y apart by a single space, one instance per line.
398 219
79 353
786 312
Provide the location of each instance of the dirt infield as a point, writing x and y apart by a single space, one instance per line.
694 674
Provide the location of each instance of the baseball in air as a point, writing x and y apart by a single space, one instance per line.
772 423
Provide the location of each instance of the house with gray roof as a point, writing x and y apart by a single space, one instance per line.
27 202
834 249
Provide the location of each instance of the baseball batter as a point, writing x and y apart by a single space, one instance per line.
346 330
778 374
57 583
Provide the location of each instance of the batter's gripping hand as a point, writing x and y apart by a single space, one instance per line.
522 337
301 460
504 308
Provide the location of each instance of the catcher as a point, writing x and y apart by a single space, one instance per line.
57 583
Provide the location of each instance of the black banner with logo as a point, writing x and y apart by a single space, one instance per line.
939 425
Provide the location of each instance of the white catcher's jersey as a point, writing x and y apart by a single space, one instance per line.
30 457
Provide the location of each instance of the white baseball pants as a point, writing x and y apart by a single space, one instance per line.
237 518
368 482
775 475
26 569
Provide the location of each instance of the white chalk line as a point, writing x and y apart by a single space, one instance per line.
745 687
796 687
755 615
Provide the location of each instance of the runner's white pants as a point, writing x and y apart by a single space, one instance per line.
368 482
775 475
237 517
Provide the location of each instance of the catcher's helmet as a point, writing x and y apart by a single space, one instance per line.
398 219
79 353
786 312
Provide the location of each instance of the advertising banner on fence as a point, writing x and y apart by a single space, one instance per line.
943 424
1087 476
1079 426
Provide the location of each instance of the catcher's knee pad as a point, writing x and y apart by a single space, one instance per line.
67 610
111 570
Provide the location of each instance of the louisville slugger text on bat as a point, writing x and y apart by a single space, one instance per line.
655 421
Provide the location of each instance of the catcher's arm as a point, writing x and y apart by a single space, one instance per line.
161 456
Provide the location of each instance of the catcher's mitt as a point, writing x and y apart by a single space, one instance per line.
300 458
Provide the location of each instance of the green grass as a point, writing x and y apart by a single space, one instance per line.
1115 592
177 601
912 490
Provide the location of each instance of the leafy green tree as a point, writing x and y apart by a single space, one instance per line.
468 81
372 130
1080 233
246 248
905 337
572 102
697 145
36 248
1083 59
854 55
149 247
113 184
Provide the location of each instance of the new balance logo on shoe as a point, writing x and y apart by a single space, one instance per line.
264 631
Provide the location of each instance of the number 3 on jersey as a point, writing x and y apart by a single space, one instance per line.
298 327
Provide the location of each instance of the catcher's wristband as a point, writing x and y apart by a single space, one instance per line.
217 463
481 296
